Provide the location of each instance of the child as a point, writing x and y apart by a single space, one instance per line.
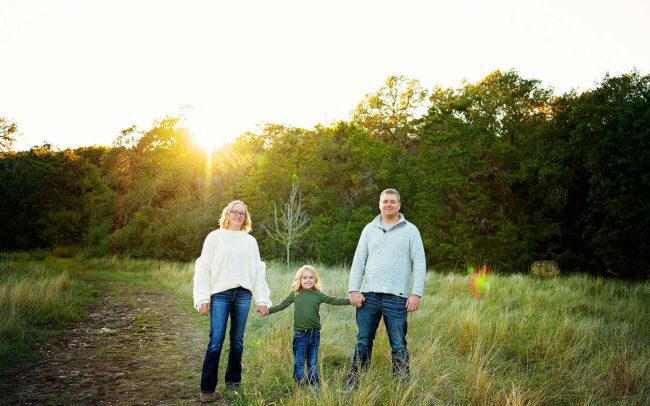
307 298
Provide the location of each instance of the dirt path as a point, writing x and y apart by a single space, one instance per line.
137 347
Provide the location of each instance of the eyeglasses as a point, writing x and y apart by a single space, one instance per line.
237 213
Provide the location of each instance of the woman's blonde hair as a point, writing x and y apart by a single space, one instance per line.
224 221
295 286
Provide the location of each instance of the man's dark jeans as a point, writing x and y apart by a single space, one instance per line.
305 351
233 303
393 309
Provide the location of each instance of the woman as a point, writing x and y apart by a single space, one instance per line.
226 275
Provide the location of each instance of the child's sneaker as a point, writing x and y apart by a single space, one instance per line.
348 387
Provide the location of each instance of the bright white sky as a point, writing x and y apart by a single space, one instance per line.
76 73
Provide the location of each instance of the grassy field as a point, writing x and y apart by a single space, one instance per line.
39 294
567 340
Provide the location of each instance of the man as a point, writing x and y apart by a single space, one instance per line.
389 256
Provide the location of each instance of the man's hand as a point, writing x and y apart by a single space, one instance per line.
262 310
412 303
356 298
205 309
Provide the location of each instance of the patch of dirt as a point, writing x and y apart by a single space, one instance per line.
137 347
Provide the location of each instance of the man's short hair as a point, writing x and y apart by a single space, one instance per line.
390 192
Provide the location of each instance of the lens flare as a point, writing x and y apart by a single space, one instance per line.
479 281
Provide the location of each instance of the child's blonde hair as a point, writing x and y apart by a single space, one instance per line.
296 287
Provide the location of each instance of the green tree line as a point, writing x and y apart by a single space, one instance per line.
500 172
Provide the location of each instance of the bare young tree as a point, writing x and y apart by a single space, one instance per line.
292 223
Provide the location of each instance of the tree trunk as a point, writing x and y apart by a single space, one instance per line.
288 249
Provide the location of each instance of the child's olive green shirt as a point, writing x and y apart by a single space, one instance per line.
306 305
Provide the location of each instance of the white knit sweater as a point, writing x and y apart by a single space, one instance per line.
230 259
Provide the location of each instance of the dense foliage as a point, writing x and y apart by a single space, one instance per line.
500 171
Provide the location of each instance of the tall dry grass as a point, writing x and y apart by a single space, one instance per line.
529 341
38 294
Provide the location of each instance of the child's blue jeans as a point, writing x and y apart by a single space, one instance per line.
305 351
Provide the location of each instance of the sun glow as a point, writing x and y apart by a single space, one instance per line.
205 130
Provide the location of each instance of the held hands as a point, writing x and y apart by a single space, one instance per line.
205 309
262 310
412 303
356 298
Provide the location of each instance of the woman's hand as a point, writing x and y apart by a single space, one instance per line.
262 310
205 309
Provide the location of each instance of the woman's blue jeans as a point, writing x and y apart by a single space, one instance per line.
393 309
233 303
305 351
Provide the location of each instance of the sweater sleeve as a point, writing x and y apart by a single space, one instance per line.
261 290
418 262
284 304
334 300
201 290
359 262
